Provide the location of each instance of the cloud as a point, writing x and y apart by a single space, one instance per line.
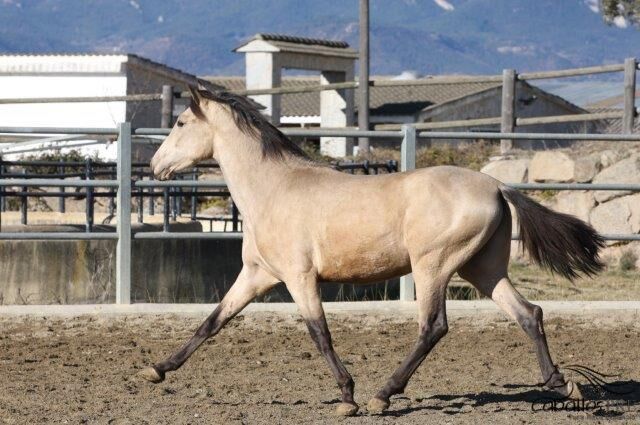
445 5
593 5
516 50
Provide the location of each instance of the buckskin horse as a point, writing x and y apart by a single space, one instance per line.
305 223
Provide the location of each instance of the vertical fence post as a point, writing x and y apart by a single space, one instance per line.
167 107
3 200
88 175
1 192
363 78
194 197
123 250
234 216
62 189
507 114
23 202
140 199
152 207
407 162
167 210
629 114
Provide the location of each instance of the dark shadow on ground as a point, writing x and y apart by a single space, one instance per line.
616 399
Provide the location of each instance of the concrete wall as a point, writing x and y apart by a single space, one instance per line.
78 272
81 272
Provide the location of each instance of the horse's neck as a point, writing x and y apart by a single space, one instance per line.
249 176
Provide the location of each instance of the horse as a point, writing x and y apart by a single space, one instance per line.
305 223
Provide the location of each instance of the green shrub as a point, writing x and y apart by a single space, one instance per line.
627 261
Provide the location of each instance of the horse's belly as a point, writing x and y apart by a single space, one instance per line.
362 265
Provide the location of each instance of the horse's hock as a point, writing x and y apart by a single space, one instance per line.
76 272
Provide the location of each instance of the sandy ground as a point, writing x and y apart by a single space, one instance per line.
263 368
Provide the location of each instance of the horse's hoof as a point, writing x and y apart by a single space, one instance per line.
346 409
377 406
151 374
573 391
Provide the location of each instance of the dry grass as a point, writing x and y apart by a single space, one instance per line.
613 284
468 155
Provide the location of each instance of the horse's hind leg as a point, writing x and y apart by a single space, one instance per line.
431 289
251 282
306 294
487 271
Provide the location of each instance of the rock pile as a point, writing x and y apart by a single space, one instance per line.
610 212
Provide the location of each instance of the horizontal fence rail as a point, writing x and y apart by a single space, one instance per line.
435 80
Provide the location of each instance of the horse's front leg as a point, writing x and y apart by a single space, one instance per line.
251 282
305 292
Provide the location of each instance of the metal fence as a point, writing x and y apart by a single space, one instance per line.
173 198
507 120
123 184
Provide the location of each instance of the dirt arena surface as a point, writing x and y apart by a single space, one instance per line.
263 368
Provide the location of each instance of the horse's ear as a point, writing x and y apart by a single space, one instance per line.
195 95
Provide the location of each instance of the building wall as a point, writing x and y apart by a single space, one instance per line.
62 114
37 76
488 104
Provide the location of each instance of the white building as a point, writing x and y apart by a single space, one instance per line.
84 75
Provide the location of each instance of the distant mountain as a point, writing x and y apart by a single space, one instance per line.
428 36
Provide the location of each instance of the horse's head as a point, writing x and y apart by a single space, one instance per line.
190 140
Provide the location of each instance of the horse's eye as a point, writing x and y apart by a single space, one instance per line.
179 123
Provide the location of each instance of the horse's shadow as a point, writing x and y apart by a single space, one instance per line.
620 392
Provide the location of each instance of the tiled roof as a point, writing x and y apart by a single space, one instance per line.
613 126
390 100
301 40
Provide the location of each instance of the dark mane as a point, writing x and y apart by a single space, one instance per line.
249 120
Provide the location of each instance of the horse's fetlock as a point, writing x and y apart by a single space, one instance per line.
346 383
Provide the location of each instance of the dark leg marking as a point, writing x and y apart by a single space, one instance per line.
321 336
207 329
435 328
532 325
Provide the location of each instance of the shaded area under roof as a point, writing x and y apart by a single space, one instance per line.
390 100
613 126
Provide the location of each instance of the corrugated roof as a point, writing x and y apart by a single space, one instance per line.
391 100
280 43
90 62
613 126
301 40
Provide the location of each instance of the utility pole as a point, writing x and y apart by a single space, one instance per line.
363 78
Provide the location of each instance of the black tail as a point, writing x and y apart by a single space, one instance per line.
562 243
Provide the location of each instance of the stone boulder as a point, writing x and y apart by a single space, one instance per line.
551 167
577 203
625 171
608 158
508 171
586 168
620 215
